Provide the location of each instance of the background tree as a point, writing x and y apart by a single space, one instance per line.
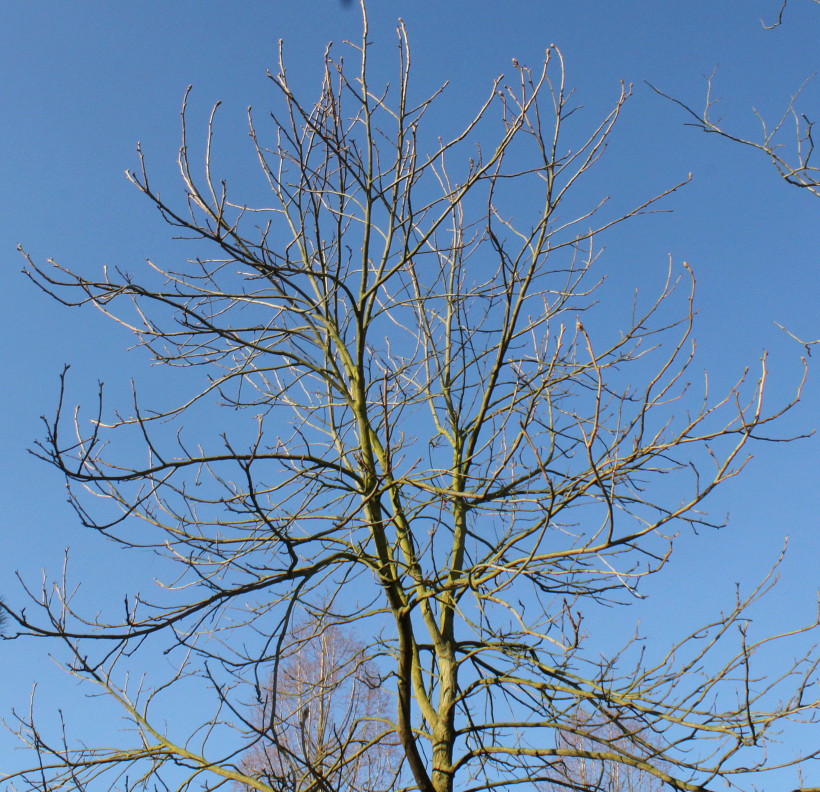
321 721
583 773
454 441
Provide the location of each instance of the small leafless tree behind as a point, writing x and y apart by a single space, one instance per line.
323 720
579 771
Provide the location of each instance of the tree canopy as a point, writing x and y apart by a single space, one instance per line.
422 438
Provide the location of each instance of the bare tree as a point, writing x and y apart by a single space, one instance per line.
580 772
454 437
321 719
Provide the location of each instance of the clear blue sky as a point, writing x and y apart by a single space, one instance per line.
82 82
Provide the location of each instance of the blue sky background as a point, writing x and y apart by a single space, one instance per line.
83 81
